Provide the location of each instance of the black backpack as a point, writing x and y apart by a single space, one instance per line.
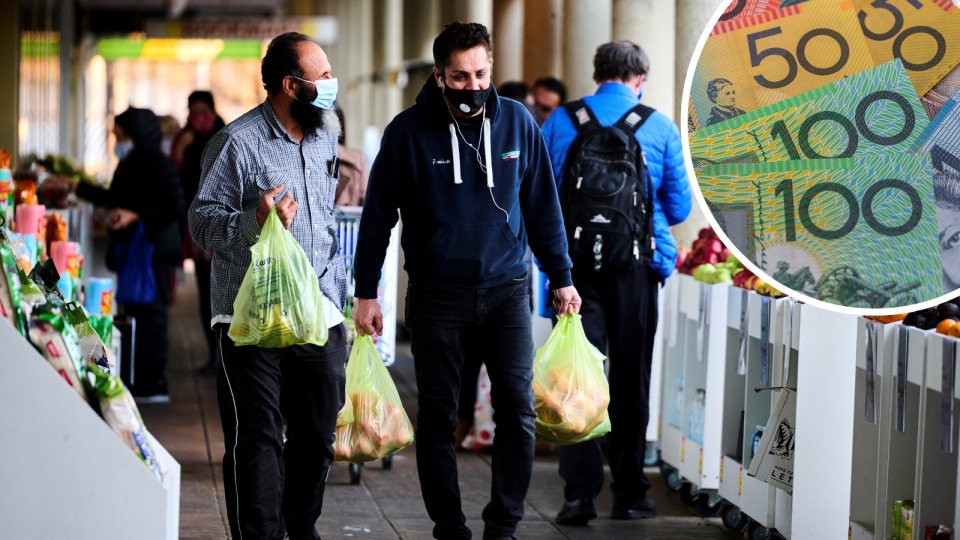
607 195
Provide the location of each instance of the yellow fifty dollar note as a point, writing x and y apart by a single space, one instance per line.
804 47
923 34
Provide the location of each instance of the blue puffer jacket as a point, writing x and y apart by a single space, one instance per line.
660 141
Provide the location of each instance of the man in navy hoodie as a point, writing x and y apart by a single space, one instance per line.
620 306
470 174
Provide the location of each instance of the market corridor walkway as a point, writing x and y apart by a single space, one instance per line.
387 504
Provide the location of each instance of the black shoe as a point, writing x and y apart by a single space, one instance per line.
493 537
643 510
151 397
576 512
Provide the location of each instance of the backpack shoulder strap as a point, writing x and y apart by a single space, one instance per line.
634 118
582 116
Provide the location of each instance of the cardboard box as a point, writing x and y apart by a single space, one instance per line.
773 462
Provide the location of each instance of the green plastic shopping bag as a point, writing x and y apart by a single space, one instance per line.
278 304
570 387
372 423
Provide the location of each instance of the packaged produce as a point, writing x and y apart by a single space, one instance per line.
60 346
10 293
22 252
103 324
906 520
569 386
120 413
6 195
372 423
91 344
278 304
56 232
25 192
886 319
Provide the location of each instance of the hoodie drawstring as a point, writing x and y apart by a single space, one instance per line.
456 155
486 151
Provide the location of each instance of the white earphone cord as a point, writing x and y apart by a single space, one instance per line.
484 168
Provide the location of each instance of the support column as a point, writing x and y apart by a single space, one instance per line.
478 11
10 84
389 33
692 18
587 24
421 25
67 127
542 31
507 40
651 24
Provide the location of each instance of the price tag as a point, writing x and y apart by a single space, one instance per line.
903 344
946 395
870 350
744 326
765 304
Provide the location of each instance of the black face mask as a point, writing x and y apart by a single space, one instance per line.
468 102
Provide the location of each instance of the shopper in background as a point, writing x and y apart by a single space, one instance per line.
203 123
548 94
519 91
169 127
352 188
620 306
278 155
467 213
145 190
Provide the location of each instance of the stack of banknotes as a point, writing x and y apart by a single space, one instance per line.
825 136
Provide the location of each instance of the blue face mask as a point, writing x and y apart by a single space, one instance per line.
123 149
326 92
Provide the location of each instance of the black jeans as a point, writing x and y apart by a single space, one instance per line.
151 347
619 308
445 322
274 488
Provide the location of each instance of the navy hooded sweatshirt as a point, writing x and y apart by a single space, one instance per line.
465 234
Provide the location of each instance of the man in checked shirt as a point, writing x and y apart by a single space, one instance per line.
283 154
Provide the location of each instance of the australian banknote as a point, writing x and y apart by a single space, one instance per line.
870 113
941 139
858 232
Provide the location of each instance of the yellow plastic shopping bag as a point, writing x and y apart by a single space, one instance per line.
569 386
278 304
372 423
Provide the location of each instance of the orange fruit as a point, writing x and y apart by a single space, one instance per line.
945 325
954 331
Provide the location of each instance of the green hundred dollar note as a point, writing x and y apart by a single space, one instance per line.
924 34
804 46
871 113
853 232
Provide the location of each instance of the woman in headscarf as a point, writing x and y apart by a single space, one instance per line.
202 124
145 190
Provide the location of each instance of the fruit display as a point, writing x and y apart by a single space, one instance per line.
707 249
718 273
570 390
372 423
943 318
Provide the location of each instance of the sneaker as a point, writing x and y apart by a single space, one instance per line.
576 512
645 509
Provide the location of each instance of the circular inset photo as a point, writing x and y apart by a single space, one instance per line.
824 136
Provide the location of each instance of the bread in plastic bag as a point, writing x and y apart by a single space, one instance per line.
279 301
372 423
569 387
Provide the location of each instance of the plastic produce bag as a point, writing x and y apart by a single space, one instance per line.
372 423
60 346
135 280
120 413
91 345
278 304
11 300
569 387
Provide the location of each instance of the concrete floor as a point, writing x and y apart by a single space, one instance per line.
387 504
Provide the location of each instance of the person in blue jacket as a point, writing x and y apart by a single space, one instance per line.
471 177
619 310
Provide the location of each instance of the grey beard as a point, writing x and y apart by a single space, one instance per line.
331 123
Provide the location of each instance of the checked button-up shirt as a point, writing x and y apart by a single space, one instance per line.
244 160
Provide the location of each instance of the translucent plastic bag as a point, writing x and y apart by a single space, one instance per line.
372 423
278 304
569 386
